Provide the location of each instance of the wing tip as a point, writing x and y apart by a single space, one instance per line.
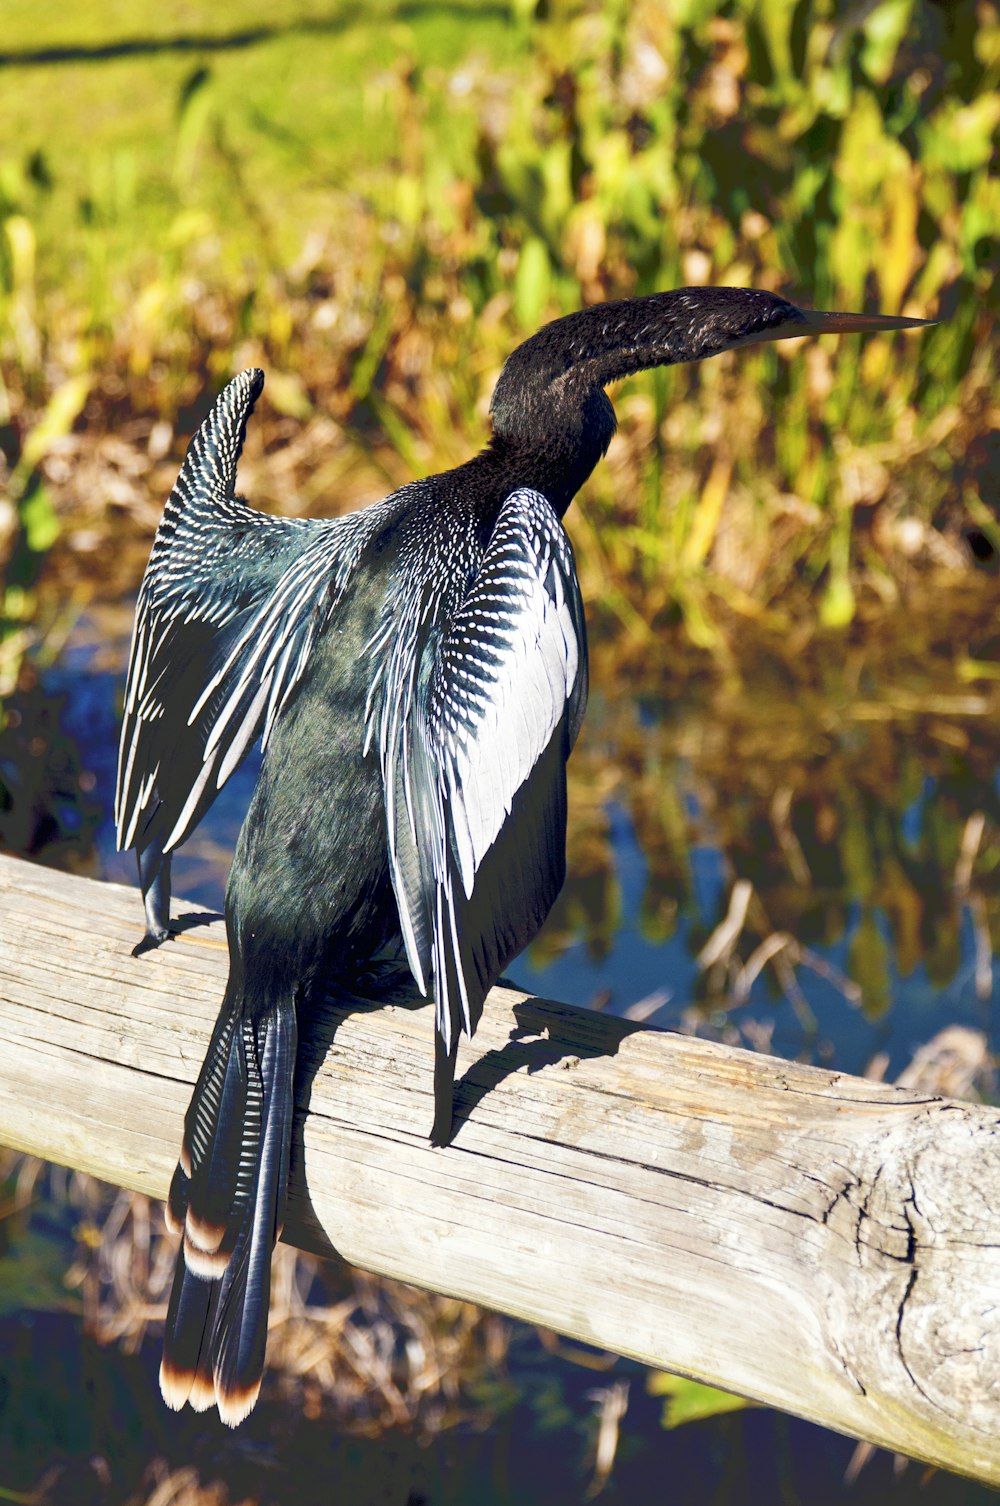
243 390
250 385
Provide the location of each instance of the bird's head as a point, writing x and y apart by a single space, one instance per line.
550 394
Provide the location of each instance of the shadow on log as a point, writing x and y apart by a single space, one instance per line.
820 1243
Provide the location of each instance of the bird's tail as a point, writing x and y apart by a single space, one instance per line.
228 1199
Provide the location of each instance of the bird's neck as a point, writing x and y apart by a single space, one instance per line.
555 452
551 414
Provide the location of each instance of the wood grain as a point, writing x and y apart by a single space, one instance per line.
815 1241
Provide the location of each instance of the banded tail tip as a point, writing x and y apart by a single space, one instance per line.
207 1265
205 1249
191 1387
173 1220
202 1394
236 1403
175 1385
205 1235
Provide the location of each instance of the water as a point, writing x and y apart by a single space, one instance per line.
847 826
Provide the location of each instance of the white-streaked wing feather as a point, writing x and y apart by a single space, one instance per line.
526 683
228 612
488 684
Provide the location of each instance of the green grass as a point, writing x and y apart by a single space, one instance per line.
304 112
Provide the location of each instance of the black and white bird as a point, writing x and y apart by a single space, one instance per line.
416 673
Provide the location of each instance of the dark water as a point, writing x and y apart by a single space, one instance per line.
868 838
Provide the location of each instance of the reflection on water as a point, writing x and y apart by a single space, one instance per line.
807 860
830 901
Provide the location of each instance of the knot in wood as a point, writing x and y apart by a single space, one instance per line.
917 1319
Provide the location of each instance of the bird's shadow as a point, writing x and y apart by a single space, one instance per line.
189 921
543 1034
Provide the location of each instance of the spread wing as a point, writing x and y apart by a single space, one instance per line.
478 721
228 610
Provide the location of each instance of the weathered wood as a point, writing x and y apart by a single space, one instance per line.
821 1243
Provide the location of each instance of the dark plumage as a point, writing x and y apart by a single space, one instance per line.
418 673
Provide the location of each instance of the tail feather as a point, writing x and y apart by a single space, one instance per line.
177 1200
237 1141
246 1287
186 1366
214 1103
225 1157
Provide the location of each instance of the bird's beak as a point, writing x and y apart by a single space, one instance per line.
861 324
814 322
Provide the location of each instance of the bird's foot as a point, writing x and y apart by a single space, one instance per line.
151 940
440 1136
444 1126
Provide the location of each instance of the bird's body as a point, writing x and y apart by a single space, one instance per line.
417 672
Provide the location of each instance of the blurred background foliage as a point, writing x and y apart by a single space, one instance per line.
790 560
377 207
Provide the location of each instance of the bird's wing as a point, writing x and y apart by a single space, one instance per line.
477 723
228 611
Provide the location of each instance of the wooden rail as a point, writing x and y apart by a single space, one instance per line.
821 1243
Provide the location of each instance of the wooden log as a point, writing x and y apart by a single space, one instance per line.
818 1242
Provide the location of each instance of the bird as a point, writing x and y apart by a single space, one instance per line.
416 674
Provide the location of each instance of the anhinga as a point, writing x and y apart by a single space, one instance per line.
417 674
